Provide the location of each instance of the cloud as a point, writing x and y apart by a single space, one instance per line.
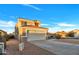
44 24
13 17
32 6
7 26
7 23
65 24
54 29
60 28
8 29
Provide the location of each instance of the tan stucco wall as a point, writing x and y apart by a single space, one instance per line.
2 33
29 22
33 30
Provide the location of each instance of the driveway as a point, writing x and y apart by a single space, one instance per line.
58 47
29 49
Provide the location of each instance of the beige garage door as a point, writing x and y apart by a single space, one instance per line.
35 36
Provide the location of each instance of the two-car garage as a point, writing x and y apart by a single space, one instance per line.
35 34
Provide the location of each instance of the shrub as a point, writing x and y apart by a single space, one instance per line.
70 34
57 36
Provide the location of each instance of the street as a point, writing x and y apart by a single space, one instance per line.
58 47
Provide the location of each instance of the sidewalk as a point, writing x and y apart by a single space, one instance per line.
30 49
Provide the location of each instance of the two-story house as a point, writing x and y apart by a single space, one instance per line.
31 29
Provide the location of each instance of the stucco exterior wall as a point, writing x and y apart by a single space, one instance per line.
35 32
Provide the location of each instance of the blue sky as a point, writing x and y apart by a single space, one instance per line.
55 17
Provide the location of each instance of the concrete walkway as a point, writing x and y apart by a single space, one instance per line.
58 47
30 49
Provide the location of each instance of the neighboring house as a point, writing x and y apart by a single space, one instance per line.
76 33
3 32
31 29
2 35
62 34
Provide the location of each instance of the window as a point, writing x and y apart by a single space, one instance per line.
36 24
0 34
24 23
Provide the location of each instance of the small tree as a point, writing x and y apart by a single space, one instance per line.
57 36
70 34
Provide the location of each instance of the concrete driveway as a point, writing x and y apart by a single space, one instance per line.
58 47
29 49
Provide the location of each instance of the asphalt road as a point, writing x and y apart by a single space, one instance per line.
58 47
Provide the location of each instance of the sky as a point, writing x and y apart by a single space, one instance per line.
55 17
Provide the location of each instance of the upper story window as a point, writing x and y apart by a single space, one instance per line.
37 24
24 23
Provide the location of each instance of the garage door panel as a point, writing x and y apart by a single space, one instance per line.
34 36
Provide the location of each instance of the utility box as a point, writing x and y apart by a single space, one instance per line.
1 48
